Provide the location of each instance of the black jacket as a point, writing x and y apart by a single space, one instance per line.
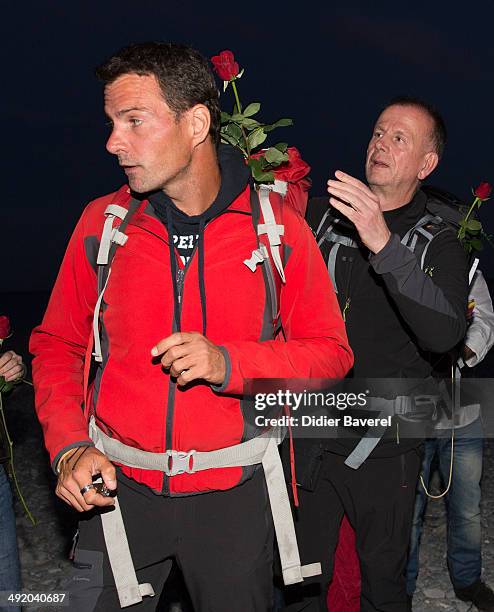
399 318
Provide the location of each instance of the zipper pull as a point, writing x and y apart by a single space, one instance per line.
345 308
180 283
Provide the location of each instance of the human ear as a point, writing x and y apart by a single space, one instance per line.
200 122
431 160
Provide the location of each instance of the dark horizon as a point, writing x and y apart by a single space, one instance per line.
331 70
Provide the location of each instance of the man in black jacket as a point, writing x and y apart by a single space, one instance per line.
399 312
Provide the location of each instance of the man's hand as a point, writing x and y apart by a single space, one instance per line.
190 356
364 210
11 366
77 470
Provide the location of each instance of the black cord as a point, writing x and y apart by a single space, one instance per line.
77 460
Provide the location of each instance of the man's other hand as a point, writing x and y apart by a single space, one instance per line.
11 366
77 470
362 208
191 356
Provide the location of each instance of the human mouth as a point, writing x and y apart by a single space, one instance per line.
128 168
379 163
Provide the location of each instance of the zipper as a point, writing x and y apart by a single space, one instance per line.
180 281
172 386
348 299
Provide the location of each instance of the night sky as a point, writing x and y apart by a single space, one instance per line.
330 69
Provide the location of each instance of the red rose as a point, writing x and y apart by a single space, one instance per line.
4 327
225 65
294 172
483 191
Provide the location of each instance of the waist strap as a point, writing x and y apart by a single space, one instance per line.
262 449
402 405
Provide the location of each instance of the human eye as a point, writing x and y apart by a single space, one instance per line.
135 122
109 124
378 133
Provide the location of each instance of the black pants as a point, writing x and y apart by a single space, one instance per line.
222 542
378 499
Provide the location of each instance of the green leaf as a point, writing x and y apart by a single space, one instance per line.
256 138
250 124
280 123
244 121
264 163
281 146
274 156
262 177
474 226
252 109
477 244
259 163
225 117
234 131
5 387
258 173
226 138
225 85
255 163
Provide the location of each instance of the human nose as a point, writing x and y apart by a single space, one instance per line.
382 143
115 143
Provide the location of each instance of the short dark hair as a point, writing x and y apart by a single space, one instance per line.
439 134
183 74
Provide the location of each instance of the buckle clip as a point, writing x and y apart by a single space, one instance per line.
179 462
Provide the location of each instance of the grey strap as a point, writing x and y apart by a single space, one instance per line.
368 443
400 405
110 238
258 256
273 230
331 236
128 588
423 221
280 187
174 462
424 253
262 449
97 353
261 255
292 569
425 233
320 226
365 447
332 264
111 211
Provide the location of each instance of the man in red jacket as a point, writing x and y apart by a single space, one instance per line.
181 316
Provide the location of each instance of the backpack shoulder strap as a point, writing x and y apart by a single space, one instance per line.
267 214
419 237
111 238
270 228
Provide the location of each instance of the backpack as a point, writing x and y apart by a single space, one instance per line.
444 212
